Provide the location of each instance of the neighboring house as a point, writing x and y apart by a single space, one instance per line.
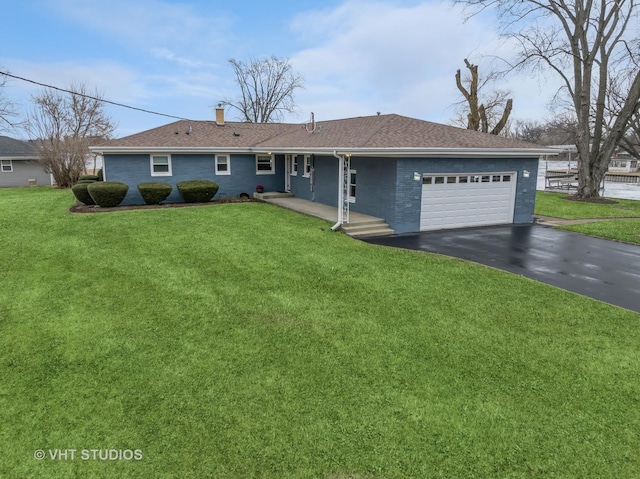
19 165
622 161
414 174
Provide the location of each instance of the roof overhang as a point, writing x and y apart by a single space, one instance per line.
373 152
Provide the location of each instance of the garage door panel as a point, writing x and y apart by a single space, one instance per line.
456 205
474 202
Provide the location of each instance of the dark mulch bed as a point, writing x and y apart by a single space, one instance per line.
82 208
605 201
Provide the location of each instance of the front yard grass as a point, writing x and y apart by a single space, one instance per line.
554 205
247 341
626 230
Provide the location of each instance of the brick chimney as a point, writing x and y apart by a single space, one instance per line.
220 115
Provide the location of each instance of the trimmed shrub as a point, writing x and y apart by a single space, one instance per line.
197 191
154 192
80 192
107 193
88 177
100 175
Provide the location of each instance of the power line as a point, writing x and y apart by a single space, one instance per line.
93 97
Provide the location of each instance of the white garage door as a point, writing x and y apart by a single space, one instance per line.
457 200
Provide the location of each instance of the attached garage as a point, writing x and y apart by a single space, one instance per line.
471 199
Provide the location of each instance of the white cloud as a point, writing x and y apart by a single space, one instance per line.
378 56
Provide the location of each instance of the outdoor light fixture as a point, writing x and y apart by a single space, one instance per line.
416 176
526 173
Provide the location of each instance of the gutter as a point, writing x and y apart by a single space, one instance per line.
340 192
374 152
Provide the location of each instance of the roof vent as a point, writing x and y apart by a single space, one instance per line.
311 125
236 133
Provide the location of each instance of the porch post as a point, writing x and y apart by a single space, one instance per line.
346 166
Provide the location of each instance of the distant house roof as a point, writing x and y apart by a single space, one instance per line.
375 135
16 149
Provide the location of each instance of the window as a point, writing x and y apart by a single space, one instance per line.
223 166
439 180
475 179
463 179
352 186
451 179
6 166
426 180
307 166
293 170
160 165
486 178
506 178
265 165
496 178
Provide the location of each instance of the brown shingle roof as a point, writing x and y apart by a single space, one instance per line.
380 131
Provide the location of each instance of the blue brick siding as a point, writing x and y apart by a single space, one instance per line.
301 185
135 168
385 186
326 180
375 187
409 192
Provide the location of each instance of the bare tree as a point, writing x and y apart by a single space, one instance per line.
482 114
584 43
630 142
267 88
531 131
65 126
8 113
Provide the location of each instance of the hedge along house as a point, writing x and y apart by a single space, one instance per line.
19 165
414 174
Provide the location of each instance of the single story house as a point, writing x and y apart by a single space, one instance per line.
19 165
416 175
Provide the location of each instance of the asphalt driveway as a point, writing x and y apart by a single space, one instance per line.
598 268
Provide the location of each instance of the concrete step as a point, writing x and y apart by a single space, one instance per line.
354 227
371 232
372 227
369 222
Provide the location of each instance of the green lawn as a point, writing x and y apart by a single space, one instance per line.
627 230
554 204
246 341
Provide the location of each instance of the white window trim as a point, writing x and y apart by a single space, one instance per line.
294 165
2 165
228 172
306 172
272 171
163 173
352 199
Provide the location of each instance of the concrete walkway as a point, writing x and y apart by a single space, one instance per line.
311 208
551 221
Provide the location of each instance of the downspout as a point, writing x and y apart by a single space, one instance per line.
340 192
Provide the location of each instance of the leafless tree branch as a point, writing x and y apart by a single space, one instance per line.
65 125
267 88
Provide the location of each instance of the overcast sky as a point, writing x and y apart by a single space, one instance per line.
357 57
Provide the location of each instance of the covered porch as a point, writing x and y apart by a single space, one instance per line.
359 225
